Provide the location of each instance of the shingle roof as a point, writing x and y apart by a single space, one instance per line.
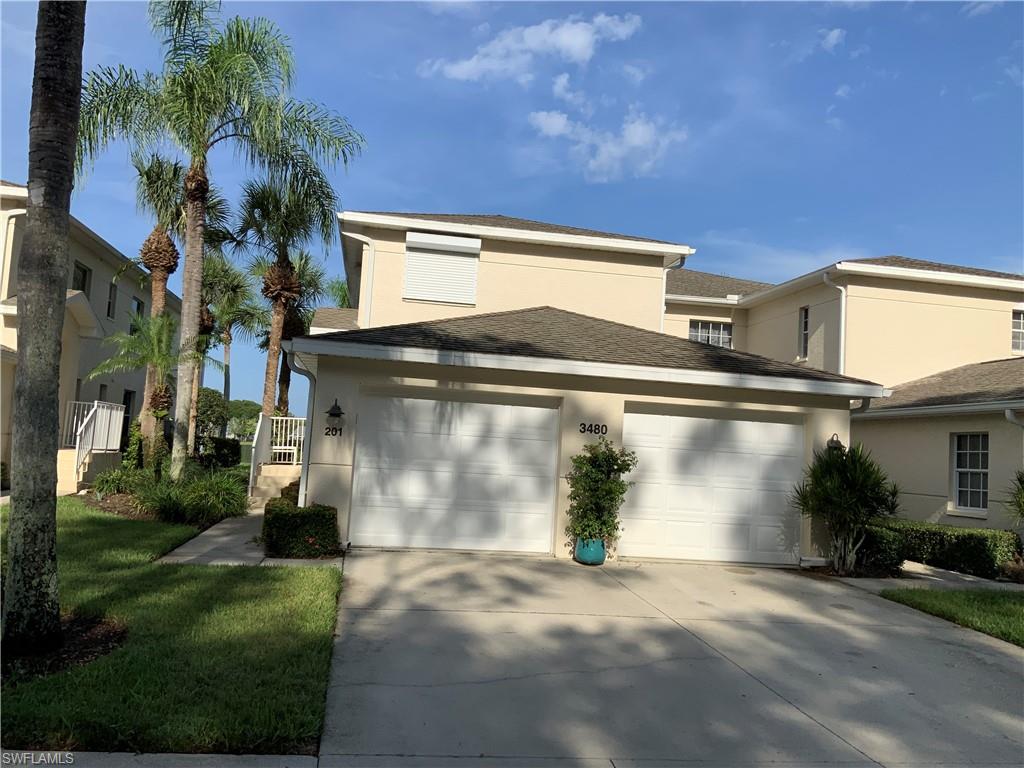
510 222
343 319
562 335
988 382
933 266
690 282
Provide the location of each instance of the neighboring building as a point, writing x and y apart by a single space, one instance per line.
331 319
105 290
489 350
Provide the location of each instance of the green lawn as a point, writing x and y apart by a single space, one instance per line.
217 659
1000 614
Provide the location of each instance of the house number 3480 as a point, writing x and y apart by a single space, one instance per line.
593 429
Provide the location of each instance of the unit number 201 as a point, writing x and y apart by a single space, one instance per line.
593 429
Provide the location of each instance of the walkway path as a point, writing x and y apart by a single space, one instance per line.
920 576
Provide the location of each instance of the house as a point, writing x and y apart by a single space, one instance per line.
948 339
105 291
490 349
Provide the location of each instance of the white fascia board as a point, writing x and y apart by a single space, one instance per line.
930 276
708 300
995 406
448 243
17 192
515 235
339 348
774 291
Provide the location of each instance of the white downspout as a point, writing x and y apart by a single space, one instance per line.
842 321
366 290
1013 418
307 437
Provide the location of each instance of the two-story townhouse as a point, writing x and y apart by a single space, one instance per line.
105 291
948 339
486 351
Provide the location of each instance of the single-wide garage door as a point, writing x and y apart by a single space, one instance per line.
712 489
444 474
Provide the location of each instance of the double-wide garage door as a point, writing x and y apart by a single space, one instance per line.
711 489
459 475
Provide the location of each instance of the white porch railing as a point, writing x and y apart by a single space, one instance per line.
286 439
99 431
74 415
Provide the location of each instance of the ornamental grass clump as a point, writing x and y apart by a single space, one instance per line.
597 490
846 490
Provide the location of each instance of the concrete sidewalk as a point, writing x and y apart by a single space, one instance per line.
920 576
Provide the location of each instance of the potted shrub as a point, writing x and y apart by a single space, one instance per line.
596 492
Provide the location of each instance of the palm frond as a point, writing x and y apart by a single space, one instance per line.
336 290
118 103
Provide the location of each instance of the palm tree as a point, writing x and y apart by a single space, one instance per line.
31 606
337 291
298 314
276 219
220 85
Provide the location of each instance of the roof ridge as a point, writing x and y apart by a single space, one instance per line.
944 371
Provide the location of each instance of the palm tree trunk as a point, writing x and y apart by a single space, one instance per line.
273 354
284 381
31 607
225 338
197 189
193 413
158 300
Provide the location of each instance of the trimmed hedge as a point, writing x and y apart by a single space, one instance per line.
975 551
291 492
292 531
882 553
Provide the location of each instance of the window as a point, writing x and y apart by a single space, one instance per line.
138 310
103 393
441 268
970 470
1018 330
112 301
804 332
708 332
81 277
78 389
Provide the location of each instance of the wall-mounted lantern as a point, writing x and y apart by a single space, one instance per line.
335 417
834 443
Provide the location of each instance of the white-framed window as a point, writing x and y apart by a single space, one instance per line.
970 471
804 332
441 268
112 301
138 310
1017 332
81 278
711 332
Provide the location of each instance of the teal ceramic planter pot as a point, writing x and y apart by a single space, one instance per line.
589 551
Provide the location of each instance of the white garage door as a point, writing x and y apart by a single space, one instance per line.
712 489
432 473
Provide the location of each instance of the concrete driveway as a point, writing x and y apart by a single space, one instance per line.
453 659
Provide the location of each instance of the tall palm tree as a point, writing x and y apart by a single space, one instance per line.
31 606
221 84
236 311
298 314
276 219
337 291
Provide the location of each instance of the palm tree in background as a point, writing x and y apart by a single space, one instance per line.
276 219
337 291
221 84
31 604
298 314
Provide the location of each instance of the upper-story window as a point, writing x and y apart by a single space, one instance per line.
138 310
970 471
708 332
1018 330
112 301
804 332
81 278
441 268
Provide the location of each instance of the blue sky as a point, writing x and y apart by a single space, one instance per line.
772 137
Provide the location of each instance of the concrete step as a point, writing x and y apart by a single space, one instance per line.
274 483
281 470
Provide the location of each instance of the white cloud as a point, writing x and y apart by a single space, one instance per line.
739 253
562 90
635 72
978 9
844 91
1014 73
861 50
635 149
832 38
511 53
943 91
835 123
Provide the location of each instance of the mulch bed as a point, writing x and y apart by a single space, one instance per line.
86 638
120 504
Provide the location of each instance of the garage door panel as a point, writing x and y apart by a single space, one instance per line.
712 489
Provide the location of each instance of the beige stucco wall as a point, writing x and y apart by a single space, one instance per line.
916 454
898 331
678 317
578 399
626 288
773 327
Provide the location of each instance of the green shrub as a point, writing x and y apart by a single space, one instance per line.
882 553
1015 498
975 551
162 499
292 531
201 498
291 492
845 489
133 456
118 480
219 451
597 490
